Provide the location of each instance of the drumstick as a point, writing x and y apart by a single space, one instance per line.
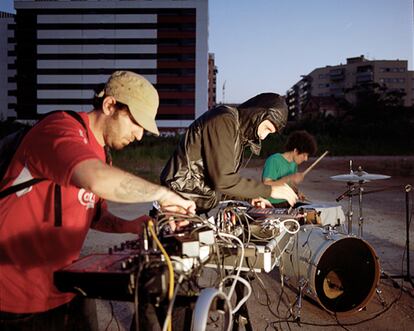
315 163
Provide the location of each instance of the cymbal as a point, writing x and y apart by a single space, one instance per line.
358 176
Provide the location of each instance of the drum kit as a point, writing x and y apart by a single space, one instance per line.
355 181
327 262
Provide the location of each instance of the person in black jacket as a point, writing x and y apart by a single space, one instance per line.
207 160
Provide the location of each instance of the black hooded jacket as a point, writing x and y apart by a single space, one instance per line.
208 157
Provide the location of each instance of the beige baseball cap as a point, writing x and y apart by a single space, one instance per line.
138 94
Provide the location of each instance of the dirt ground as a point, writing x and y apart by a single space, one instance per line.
384 228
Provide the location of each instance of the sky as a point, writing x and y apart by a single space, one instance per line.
266 45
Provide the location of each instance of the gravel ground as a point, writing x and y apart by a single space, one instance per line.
384 219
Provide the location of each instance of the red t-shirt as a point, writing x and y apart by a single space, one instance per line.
31 247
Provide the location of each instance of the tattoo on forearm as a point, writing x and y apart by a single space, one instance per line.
131 187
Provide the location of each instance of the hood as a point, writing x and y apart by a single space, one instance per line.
265 106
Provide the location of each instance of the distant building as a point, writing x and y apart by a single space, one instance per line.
328 106
7 85
212 81
335 81
66 49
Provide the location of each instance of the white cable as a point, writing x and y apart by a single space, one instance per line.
203 306
297 225
233 286
171 304
246 297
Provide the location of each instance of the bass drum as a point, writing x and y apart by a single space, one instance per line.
339 272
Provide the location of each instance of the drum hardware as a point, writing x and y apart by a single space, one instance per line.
358 176
361 218
298 307
407 276
324 269
355 180
378 291
348 193
329 232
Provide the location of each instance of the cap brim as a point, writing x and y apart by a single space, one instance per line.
147 122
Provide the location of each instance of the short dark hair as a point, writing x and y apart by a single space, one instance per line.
302 141
98 100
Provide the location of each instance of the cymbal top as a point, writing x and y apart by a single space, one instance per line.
358 176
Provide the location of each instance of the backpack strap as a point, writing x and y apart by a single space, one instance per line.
18 187
79 118
58 205
57 189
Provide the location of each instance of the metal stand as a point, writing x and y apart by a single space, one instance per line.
350 212
241 317
298 307
380 297
348 193
407 277
361 218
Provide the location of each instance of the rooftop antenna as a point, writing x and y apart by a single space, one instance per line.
224 92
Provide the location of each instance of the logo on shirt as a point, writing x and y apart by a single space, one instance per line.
85 141
86 198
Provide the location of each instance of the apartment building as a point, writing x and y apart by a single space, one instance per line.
66 49
335 81
212 81
6 59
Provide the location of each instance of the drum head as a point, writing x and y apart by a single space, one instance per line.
347 275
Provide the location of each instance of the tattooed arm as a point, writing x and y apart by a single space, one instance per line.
114 184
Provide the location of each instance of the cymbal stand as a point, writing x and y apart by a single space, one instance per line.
350 212
361 218
348 193
407 277
351 187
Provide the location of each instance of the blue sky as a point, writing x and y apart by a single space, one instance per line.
266 45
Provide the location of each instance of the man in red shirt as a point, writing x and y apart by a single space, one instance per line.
65 153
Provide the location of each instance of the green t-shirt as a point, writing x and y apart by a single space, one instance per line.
276 167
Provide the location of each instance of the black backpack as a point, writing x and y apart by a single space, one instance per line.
9 145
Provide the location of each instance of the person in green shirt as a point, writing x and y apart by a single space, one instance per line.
283 168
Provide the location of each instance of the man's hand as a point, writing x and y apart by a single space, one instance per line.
177 225
302 196
174 203
261 203
295 179
284 192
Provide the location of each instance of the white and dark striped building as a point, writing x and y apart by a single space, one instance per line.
6 60
66 49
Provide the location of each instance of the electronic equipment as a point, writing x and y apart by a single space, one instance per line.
106 276
261 257
258 213
305 214
111 276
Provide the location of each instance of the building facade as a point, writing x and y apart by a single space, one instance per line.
65 50
337 81
212 81
6 59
